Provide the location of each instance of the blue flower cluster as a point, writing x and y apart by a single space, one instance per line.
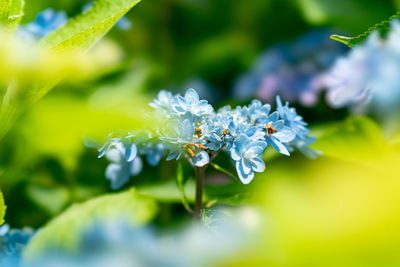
12 242
198 133
368 77
295 70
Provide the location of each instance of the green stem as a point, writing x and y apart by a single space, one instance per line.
200 176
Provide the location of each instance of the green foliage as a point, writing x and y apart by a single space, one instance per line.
11 12
382 27
85 30
355 139
2 208
80 33
62 233
168 192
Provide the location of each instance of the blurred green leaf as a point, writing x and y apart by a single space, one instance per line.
181 181
2 208
11 12
355 139
168 191
180 178
382 27
51 199
62 233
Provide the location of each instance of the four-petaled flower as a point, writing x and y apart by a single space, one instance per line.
191 103
247 155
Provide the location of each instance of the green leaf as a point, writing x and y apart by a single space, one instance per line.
382 27
86 29
11 13
62 233
2 208
50 199
355 139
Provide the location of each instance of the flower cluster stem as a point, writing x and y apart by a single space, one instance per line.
200 176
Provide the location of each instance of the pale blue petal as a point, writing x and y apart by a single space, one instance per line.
130 152
191 96
246 166
235 155
258 165
281 148
117 174
114 155
201 159
136 166
285 135
244 178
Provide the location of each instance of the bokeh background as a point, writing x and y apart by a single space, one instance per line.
209 45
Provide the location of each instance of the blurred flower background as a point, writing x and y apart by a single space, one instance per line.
340 209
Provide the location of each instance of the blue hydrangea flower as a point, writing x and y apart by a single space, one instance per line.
184 140
45 22
163 101
153 152
120 170
12 242
302 141
294 70
192 104
193 130
276 133
247 155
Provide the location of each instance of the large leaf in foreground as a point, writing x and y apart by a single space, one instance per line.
63 232
86 29
80 33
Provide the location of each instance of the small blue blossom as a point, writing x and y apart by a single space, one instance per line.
120 169
45 22
302 141
163 101
192 104
276 133
247 155
154 153
12 242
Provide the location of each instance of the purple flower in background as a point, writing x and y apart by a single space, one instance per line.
293 70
